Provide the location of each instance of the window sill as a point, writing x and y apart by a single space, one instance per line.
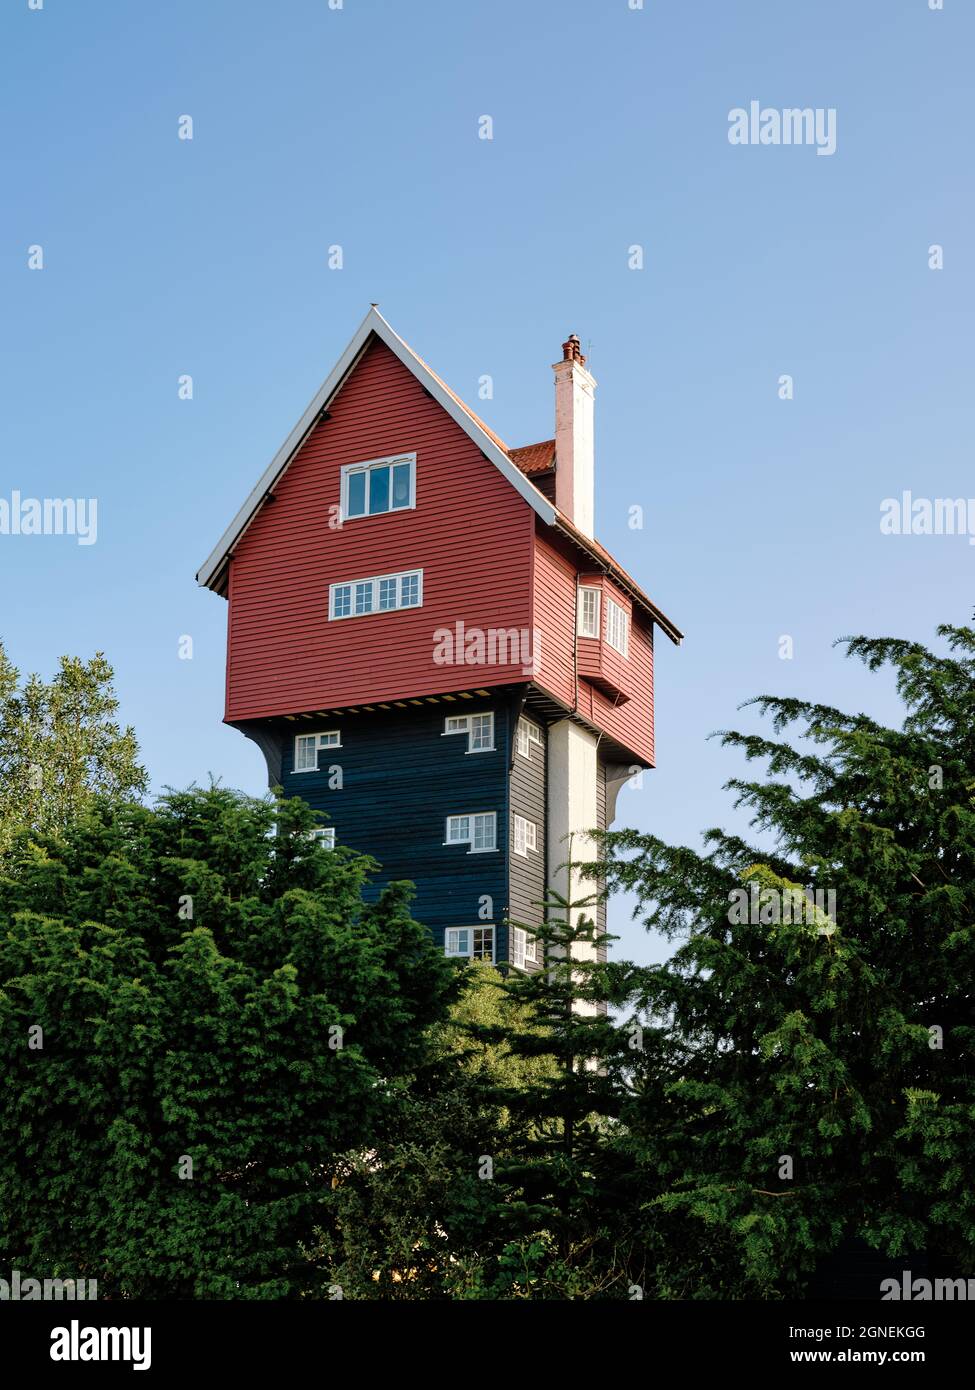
375 612
371 516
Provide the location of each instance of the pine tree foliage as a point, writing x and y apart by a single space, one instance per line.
809 1076
555 1229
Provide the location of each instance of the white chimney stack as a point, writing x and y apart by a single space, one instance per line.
574 456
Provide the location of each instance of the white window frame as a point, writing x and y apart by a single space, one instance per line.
527 733
331 738
588 625
450 942
524 835
464 724
524 948
375 580
367 467
326 833
453 834
622 623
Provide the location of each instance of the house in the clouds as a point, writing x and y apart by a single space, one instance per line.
428 643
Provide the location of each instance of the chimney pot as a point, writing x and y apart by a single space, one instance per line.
574 388
572 350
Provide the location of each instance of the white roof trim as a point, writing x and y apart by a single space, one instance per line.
372 323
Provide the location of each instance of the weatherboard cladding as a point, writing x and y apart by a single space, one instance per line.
470 533
401 779
528 800
630 723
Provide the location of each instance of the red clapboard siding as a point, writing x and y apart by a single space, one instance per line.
471 534
630 723
555 607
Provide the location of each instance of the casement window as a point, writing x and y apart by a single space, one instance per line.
383 593
307 746
478 830
617 627
381 485
325 834
527 734
479 729
477 943
525 836
588 624
524 948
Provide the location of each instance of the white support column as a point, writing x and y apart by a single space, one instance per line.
572 811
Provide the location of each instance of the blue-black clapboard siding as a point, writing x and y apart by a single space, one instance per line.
401 777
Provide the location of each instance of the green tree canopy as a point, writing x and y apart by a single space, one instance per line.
60 746
201 982
807 1081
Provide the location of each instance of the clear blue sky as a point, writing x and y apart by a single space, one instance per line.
359 127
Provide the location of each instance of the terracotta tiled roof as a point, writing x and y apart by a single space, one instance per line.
534 458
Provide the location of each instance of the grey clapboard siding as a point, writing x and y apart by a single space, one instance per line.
601 812
527 874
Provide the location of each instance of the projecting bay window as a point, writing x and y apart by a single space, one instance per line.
479 729
381 485
478 831
476 943
383 593
524 948
525 836
617 627
307 746
588 616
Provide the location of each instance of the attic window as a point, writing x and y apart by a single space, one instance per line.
381 485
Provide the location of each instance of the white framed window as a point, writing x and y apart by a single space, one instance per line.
617 627
325 834
477 943
588 623
524 948
383 593
479 729
478 830
307 746
378 486
525 836
527 733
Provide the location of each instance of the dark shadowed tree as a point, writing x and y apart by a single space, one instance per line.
807 1075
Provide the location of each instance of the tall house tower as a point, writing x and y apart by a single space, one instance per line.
428 644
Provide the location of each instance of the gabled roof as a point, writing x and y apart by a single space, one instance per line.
212 572
515 464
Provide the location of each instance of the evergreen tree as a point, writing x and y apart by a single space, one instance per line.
558 1224
198 1014
808 1074
404 1211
